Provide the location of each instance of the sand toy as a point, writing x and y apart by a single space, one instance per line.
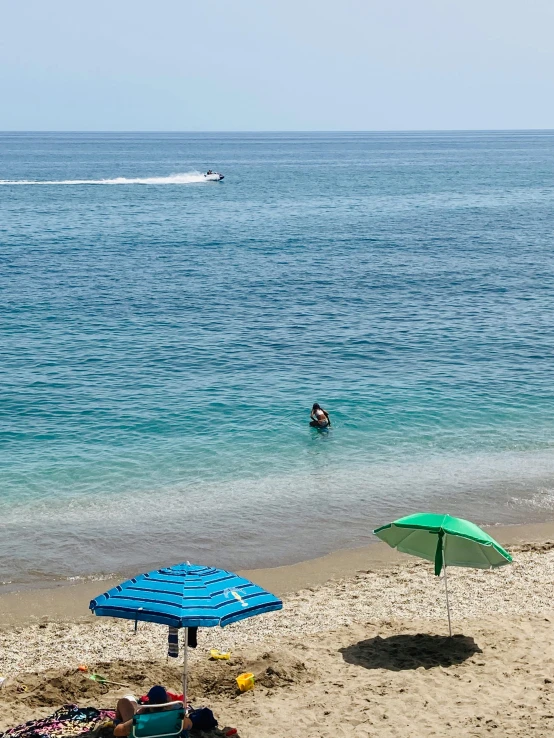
215 654
245 681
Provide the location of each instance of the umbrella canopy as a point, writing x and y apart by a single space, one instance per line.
444 540
186 596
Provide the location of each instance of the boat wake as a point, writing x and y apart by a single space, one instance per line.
172 179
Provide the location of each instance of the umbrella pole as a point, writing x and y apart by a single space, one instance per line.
185 667
446 591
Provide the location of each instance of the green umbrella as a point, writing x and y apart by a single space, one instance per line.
446 541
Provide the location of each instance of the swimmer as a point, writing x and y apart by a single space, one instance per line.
319 417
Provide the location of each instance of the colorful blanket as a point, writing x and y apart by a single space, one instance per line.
70 721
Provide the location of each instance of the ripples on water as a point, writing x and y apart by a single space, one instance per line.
162 344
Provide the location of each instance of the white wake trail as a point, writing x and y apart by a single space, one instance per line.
172 179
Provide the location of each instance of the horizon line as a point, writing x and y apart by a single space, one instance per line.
283 130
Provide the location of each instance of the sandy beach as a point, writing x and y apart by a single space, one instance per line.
355 651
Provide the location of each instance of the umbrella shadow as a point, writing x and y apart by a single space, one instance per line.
400 652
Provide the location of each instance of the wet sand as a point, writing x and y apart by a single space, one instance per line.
69 601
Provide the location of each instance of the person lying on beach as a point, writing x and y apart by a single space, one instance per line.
128 706
320 417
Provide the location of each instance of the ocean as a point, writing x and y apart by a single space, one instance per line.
162 340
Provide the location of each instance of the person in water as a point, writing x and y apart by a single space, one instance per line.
319 417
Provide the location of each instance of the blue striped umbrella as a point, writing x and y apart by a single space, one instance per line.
186 596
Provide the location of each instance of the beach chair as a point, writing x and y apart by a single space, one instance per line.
160 721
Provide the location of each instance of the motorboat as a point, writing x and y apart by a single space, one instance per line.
213 176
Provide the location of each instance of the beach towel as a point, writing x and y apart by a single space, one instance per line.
173 642
70 720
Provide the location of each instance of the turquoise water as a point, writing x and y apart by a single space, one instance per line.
163 339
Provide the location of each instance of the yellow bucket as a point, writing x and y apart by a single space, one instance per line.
245 681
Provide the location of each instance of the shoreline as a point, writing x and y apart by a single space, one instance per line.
68 601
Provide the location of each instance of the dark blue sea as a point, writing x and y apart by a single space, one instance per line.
163 338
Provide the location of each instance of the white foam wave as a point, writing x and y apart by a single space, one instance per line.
172 179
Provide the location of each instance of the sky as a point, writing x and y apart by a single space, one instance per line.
247 65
